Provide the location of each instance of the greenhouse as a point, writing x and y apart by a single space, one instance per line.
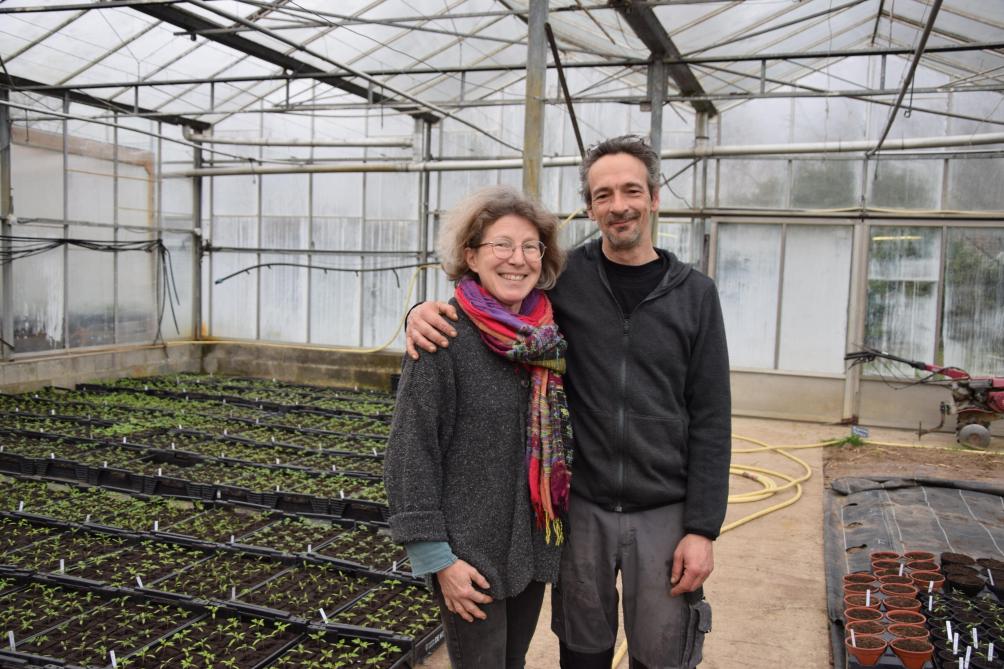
217 214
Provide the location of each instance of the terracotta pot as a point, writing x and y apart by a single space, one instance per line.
865 627
921 579
879 573
901 604
922 565
886 564
917 555
913 653
859 577
867 648
905 616
858 600
905 631
898 590
884 555
896 578
861 588
861 613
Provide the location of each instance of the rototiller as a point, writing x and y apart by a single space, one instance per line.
977 401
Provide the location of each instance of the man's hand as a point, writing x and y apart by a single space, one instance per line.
457 583
426 327
693 562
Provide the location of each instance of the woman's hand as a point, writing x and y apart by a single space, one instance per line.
426 328
457 583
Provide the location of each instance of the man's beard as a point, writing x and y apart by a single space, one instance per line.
620 243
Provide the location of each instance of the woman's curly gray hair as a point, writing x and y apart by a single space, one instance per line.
465 226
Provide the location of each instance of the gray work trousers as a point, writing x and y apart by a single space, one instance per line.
663 632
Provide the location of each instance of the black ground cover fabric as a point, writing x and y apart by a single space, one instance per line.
863 515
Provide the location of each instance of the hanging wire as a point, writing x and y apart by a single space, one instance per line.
20 247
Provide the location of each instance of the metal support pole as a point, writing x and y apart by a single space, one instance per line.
536 78
657 96
197 247
66 226
856 314
423 129
6 211
701 141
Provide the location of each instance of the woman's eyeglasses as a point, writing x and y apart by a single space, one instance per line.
504 248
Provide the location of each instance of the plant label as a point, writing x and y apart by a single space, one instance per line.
156 525
124 440
990 651
111 654
341 494
969 654
160 471
310 549
62 566
104 464
139 582
172 446
10 640
52 456
87 519
232 540
20 506
955 644
233 592
334 468
976 638
277 461
324 616
393 567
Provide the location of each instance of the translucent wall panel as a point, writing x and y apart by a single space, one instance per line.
975 184
91 190
681 238
753 183
384 292
904 184
37 180
138 291
764 121
826 184
235 301
973 321
747 274
903 267
335 297
91 285
38 295
136 197
235 196
283 300
391 196
817 268
338 195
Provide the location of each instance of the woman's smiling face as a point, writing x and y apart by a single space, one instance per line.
512 279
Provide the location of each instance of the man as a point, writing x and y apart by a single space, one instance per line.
648 393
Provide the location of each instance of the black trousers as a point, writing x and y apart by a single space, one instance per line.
501 640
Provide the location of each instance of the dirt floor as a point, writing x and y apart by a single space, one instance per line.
769 571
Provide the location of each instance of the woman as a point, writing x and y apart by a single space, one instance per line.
477 463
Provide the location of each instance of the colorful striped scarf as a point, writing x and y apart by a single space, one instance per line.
532 338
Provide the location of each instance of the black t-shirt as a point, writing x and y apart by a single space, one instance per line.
632 283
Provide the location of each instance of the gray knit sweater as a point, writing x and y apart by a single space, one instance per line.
455 465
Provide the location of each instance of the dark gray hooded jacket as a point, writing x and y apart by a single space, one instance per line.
648 393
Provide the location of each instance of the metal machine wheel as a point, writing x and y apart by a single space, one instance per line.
974 435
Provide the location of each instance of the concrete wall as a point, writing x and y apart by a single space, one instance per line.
302 364
777 395
289 363
99 365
